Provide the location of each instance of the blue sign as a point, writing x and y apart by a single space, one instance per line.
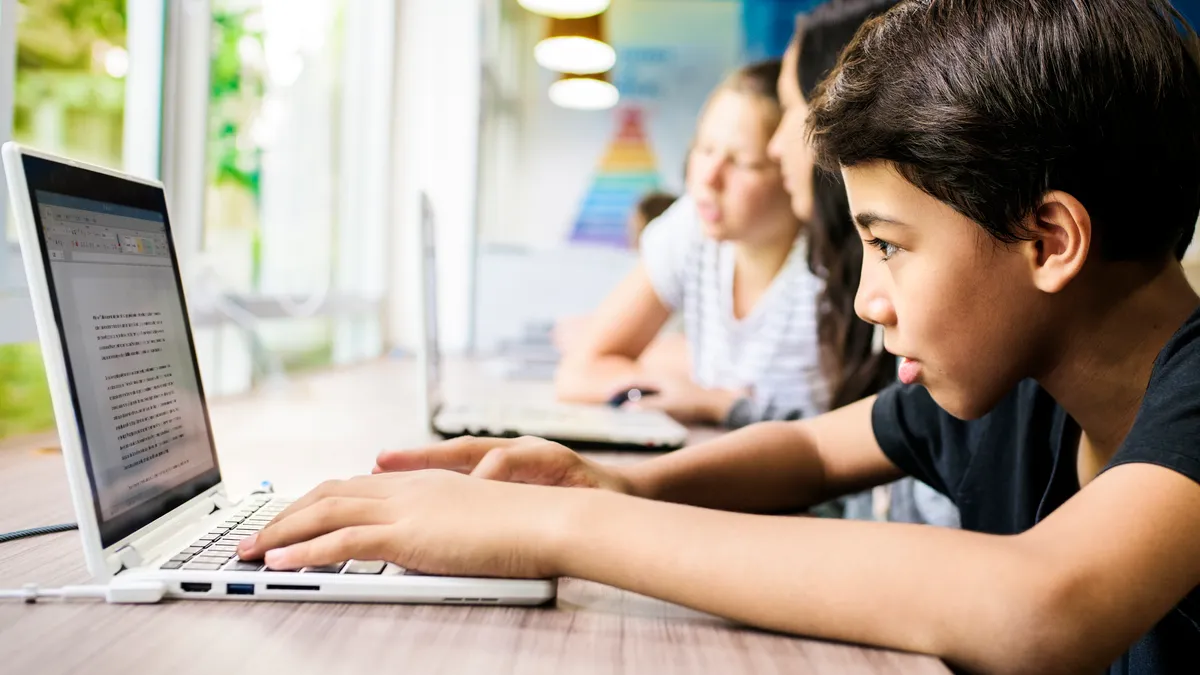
768 25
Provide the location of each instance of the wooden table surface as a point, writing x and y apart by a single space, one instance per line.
327 425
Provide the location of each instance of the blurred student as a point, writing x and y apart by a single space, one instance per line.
851 349
648 208
731 257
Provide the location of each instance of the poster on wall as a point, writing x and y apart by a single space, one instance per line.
669 57
627 171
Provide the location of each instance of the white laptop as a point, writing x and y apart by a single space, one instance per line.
131 412
578 426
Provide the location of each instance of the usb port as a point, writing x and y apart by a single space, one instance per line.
192 587
239 589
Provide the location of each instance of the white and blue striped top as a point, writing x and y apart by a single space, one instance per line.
773 351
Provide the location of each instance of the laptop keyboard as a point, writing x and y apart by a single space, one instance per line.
217 550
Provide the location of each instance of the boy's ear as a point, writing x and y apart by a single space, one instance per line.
1060 232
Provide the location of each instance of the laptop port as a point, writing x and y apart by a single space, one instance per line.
193 587
291 587
239 589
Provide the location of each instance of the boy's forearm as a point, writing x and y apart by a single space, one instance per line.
764 468
963 596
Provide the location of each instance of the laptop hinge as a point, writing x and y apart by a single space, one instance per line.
129 557
220 501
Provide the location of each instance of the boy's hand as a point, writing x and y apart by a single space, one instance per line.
515 460
438 522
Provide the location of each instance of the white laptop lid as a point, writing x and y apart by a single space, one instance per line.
117 343
430 355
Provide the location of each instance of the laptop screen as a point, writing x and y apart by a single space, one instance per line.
130 361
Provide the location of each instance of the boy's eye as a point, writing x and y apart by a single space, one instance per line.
888 249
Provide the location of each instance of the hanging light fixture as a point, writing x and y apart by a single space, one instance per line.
565 9
575 46
584 92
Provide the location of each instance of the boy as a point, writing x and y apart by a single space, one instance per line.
1024 173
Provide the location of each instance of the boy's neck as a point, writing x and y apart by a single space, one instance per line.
1107 357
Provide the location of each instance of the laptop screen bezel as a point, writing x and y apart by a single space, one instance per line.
47 175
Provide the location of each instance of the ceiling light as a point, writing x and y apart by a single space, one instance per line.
565 9
584 92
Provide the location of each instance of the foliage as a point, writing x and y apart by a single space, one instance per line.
60 34
236 90
58 42
24 395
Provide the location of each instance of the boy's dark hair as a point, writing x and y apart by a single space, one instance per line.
848 353
988 105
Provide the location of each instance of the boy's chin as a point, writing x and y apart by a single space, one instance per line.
962 404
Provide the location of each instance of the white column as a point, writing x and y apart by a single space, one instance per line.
144 87
9 261
364 180
185 122
436 149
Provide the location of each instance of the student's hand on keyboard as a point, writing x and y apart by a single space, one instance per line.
515 460
681 398
437 522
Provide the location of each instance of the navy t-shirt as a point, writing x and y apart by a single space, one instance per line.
1011 468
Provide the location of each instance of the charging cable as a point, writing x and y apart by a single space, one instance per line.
118 591
37 532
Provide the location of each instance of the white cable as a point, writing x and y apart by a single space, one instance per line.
116 592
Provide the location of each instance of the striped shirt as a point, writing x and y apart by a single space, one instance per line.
773 351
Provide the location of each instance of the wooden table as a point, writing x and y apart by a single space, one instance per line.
333 424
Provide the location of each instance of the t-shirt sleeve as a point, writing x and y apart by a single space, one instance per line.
665 245
920 438
1166 431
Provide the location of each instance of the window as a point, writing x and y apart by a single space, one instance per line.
290 252
270 123
65 93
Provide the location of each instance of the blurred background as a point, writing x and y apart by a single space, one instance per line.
294 135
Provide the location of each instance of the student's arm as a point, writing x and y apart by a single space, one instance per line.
772 467
668 354
626 322
1068 596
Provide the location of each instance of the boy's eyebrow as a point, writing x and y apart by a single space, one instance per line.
867 219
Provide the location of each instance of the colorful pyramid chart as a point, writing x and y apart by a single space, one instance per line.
627 171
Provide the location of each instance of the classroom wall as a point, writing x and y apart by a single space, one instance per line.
670 54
